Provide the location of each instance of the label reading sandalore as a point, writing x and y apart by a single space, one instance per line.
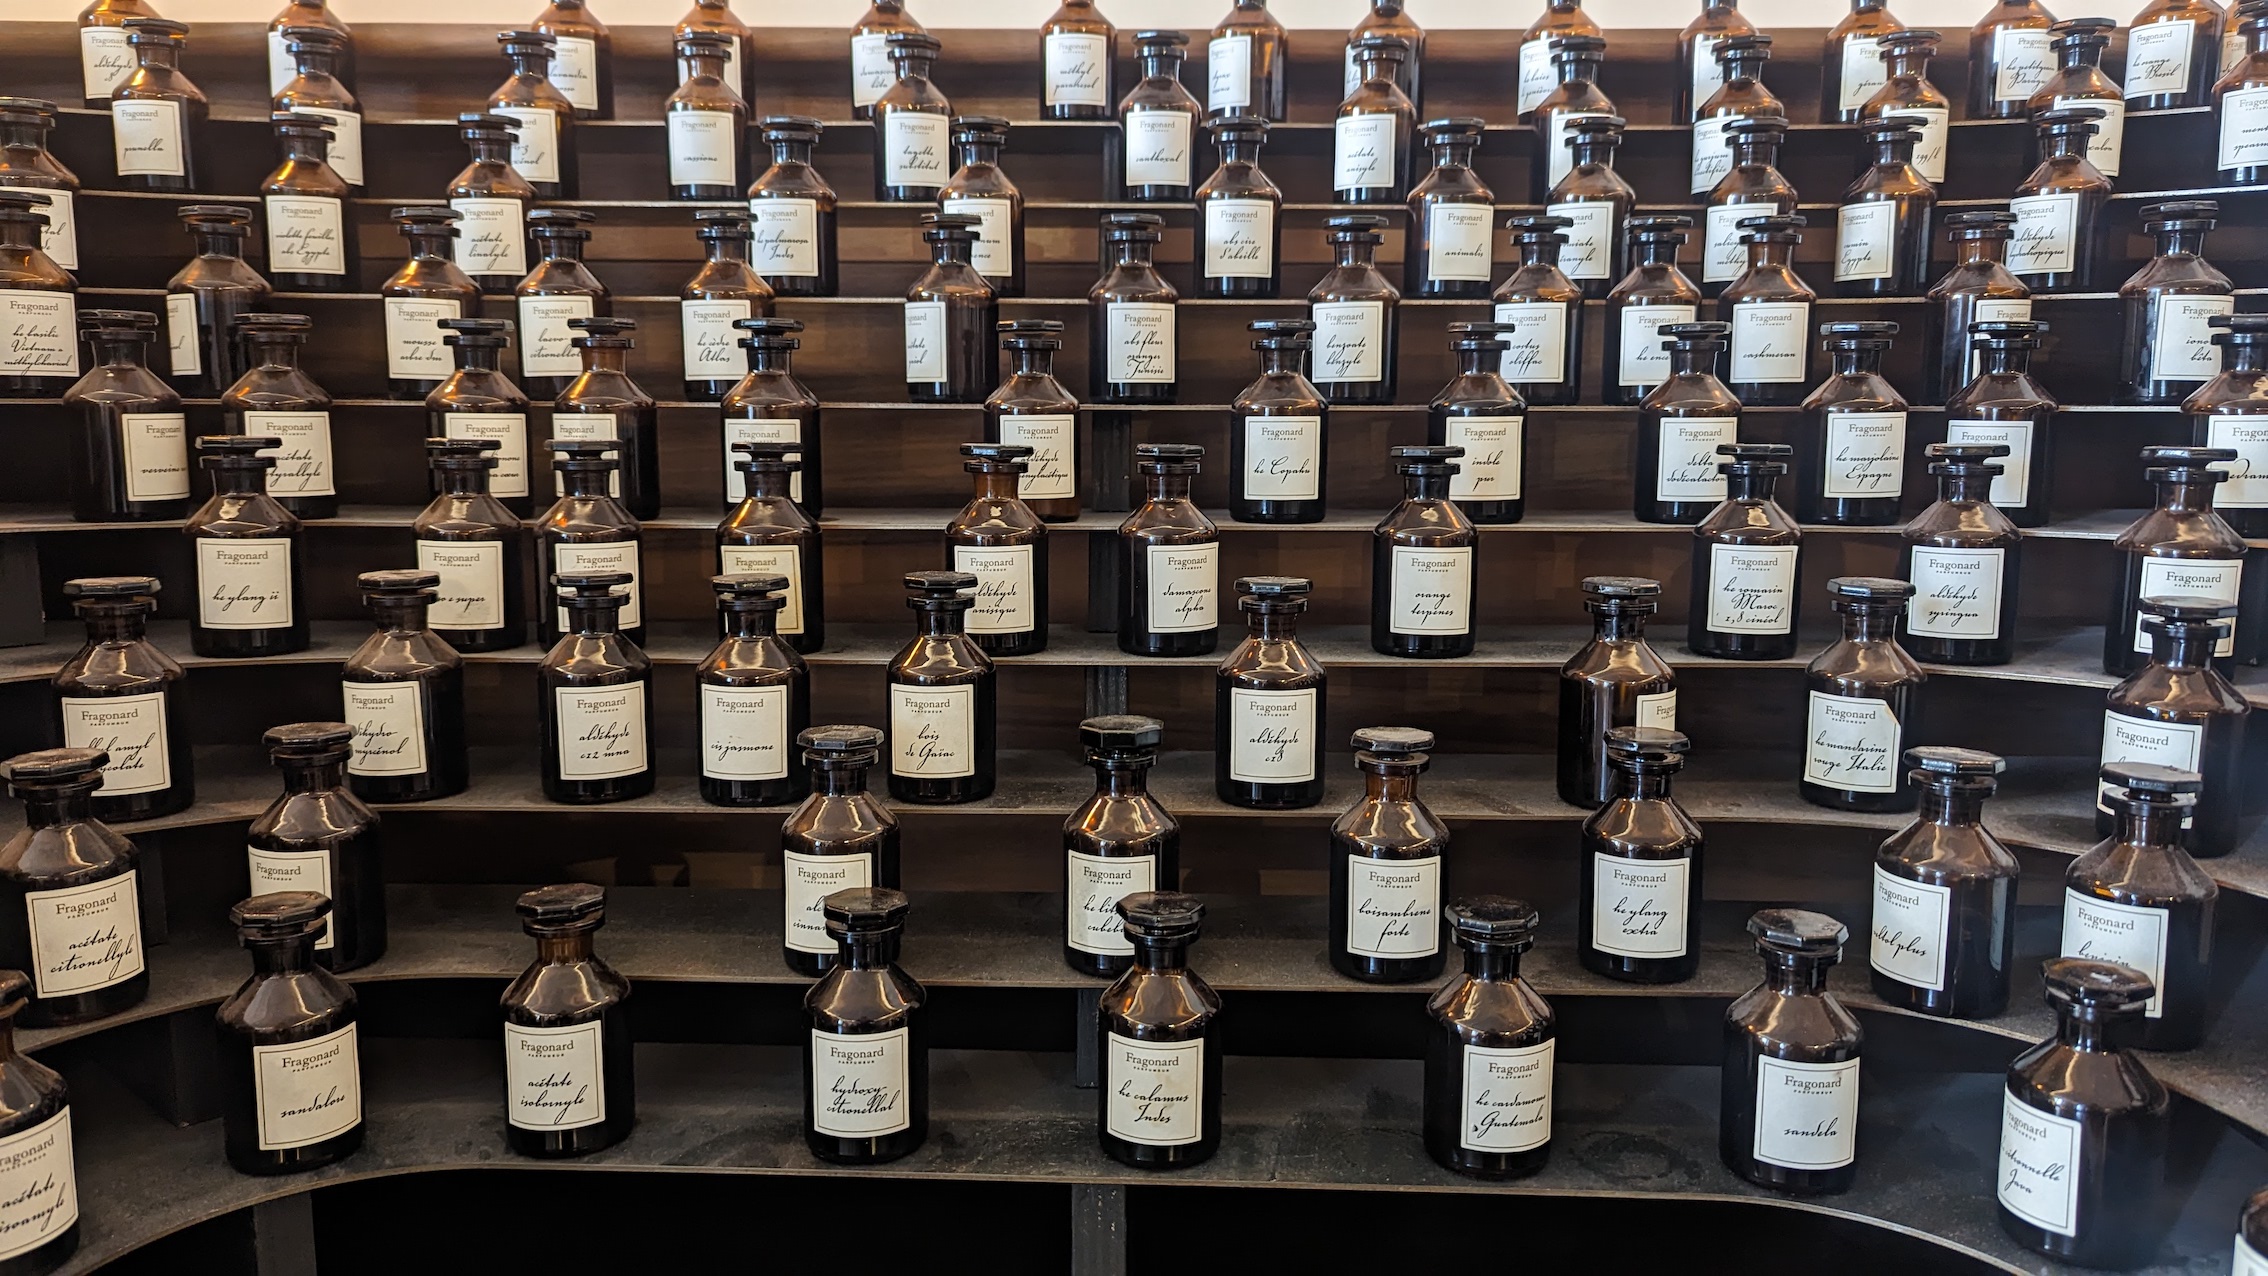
307 1091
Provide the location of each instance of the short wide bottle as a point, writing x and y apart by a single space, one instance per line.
290 1059
568 1080
1788 1113
866 1068
1490 1049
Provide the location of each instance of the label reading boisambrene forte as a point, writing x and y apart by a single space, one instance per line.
1909 930
2012 487
1638 906
2220 579
1272 736
744 733
131 729
471 593
389 727
786 236
1155 1090
1807 1113
39 1188
1752 588
2100 930
1687 460
1157 148
244 584
535 144
1005 592
1956 592
810 879
491 237
555 1078
601 731
1051 471
1432 590
303 451
1097 883
272 870
544 336
1184 587
1535 351
933 732
307 1091
1282 458
1507 1097
1866 454
84 938
859 1083
1643 362
2040 1165
771 560
1492 457
1851 743
153 448
1393 906
1240 238
413 343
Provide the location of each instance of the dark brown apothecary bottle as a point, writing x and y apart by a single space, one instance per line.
1490 1050
1540 312
1240 215
1963 556
768 532
997 539
274 397
72 918
130 453
717 16
1357 315
569 1082
2179 711
204 299
980 188
2084 1126
582 60
866 1065
543 146
1739 94
1423 562
1385 867
706 120
246 545
2079 45
1169 560
1157 123
1883 231
2180 547
1747 555
587 530
1032 409
951 314
557 289
2011 57
1682 423
2174 53
1906 94
1639 884
467 537
1944 920
318 837
839 838
595 702
1851 70
1653 295
1247 64
404 691
1852 457
1268 698
1370 145
2227 412
755 699
1279 440
2239 97
769 405
310 241
722 292
1700 72
872 72
157 116
1597 203
1752 187
2139 899
2061 208
1132 333
1575 63
793 211
1158 1047
35 1135
1789 1105
1978 289
1480 412
602 404
120 694
105 59
2004 403
290 1054
912 125
1559 18
494 199
1120 842
944 699
2165 350
1388 17
1453 250
1861 701
428 288
1077 44
27 164
1614 680
1769 308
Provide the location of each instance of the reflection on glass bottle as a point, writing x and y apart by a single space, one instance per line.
27 164
2011 57
793 211
1131 354
1482 413
1279 442
1540 311
2005 404
706 121
157 116
2060 209
70 907
717 16
1489 1054
872 71
1700 69
770 405
1386 865
1423 562
1169 560
1157 123
2180 547
1653 295
1575 62
1076 47
582 66
543 146
1853 450
1158 1054
1944 921
951 313
1906 94
997 539
130 456
1268 704
1370 146
1452 253
1746 555
1738 94
1681 425
1882 230
839 838
427 288
1032 409
1357 316
602 404
1851 69
557 289
1788 1108
473 543
866 1071
493 198
1240 215
2173 52
2165 349
309 46
588 530
2138 899
770 534
2231 411
755 699
1246 64
120 694
1752 187
594 697
1388 17
104 56
944 698
1978 289
311 242
2179 711
1596 203
1962 555
723 291
912 125
1614 680
204 299
249 596
318 837
1860 702
1560 18
980 188
2079 81
1769 308
35 1135
275 397
1120 842
569 1084
1639 881
404 691
290 1058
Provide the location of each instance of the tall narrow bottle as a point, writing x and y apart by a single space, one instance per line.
70 907
1861 699
1386 865
912 125
705 120
1575 62
1032 409
275 397
1247 64
1681 425
594 701
1480 412
587 530
755 699
1906 94
1157 121
310 243
157 115
1370 144
1239 215
130 457
1423 562
944 698
1268 704
1075 62
1852 70
1540 311
2179 548
1389 17
582 65
2079 81
1279 442
1788 1108
866 1071
289 1057
602 404
2165 350
2012 56
318 837
770 534
1120 842
1746 556
204 299
1738 94
1158 1048
1769 308
997 539
558 288
1978 289
2178 711
473 543
1944 921
404 691
27 164
570 1085
1357 315
951 314
2138 899
2226 413
120 694
1132 338
1853 453
2006 404
105 58
1652 296
1963 556
770 405
723 291
1883 229
308 23
493 198
1454 253
35 1137
249 595
1169 560
428 288
543 147
1597 203
2061 208
793 211
1614 680
980 188
1638 912
839 838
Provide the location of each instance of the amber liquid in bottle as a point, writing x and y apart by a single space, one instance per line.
587 530
1423 563
1861 695
1032 409
493 198
951 316
404 691
2228 412
1746 558
2062 208
998 539
1653 295
707 122
1076 56
1388 17
105 58
1370 152
1357 317
1158 124
1963 557
1852 454
1131 312
310 59
567 1102
595 701
1279 435
755 699
1944 921
1615 680
1490 1049
1851 71
2139 885
2165 350
35 1119
1680 427
291 1018
1159 1056
1541 311
2006 404
585 75
249 598
1699 73
543 147
558 290
1119 842
130 456
474 544
1977 289
2181 62
479 404
840 838
428 287
721 293
1907 94
1597 203
793 209
1769 308
944 695
157 115
768 532
204 299
1883 230
980 188
119 693
2179 709
1385 866
319 837
1788 1110
605 405
1247 64
866 1065
2180 548
1575 62
81 881
1268 699
274 397
1169 560
1639 882
1480 412
1240 216
311 242
912 126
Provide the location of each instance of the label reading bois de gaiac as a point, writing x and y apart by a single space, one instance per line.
84 938
933 732
1507 1097
859 1083
555 1078
307 1091
1807 1113
1155 1090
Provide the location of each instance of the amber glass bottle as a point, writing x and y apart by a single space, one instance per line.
1239 215
1769 308
1385 867
866 1071
769 405
1639 883
1357 316
2005 404
318 837
1575 64
1559 18
2139 899
274 397
543 147
1906 94
42 1219
1753 187
247 551
1653 295
1883 229
1480 412
38 302
1389 17
1851 71
2173 52
2240 98
1614 680
473 543
724 290
603 405
1131 352
1158 1049
768 533
1540 311
839 838
997 539
1454 252
2012 55
404 690
2079 45
872 72
980 188
1268 704
428 287
1278 440
157 116
1032 409
2165 349
120 694
587 530
1489 1053
2227 412
70 908
1370 143
1075 62
1788 1109
944 696
105 58
717 16
912 125
1746 556
1944 921
582 64
1169 560
1681 425
2178 711
1738 94
1596 202
1852 457
1962 555
1157 123
493 198
594 697
2180 548
951 314
290 1060
2060 209
26 163
130 457
2252 1237
311 245
1247 64
569 1082
1423 562
1699 72
706 121
1978 289
1119 842
793 209
1861 696
204 299
558 288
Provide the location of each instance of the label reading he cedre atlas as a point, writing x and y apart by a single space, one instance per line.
307 1091
1492 457
2247 436
1005 601
1752 589
1157 148
131 729
1184 587
303 451
2046 238
1240 239
2100 930
1097 883
1589 250
471 593
38 334
915 149
1077 70
2184 350
153 451
1460 242
1770 342
1228 73
2040 1165
271 871
244 584
1155 1090
1535 351
1051 471
1909 930
84 938
1272 736
1851 743
771 560
39 1188
535 144
555 1078
306 235
786 231
1643 362
1362 152
810 879
701 148
1507 1094
1432 590
710 344
1866 454
1956 592
491 237
2244 128
1350 341
2127 738
1282 458
389 727
933 732
1638 906
544 336
1140 340
1393 907
1935 123
146 138
601 731
925 341
413 343
859 1083
1806 1113
1687 461
1866 241
2012 487
2157 58
2220 579
993 253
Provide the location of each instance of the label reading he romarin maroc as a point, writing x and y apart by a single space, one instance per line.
933 732
271 871
2040 1166
1184 588
1643 361
1283 458
1806 1113
2012 487
810 879
2127 738
1154 1090
244 584
2219 579
555 1078
1432 590
1956 592
1507 1097
413 343
1492 457
744 733
1866 454
602 731
2100 930
131 729
154 452
39 1189
1228 73
771 560
1004 594
1752 588
1535 351
1638 906
492 236
786 230
302 453
1157 148
710 345
1240 238
1097 883
1272 736
1686 465
84 938
307 1091
389 727
859 1083
1050 471
1393 906
1852 743
471 593
1909 930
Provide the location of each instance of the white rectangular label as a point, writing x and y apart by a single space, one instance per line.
1864 72
2221 580
1051 471
84 938
1462 242
2040 1165
131 729
871 71
2127 738
413 343
1752 588
555 1078
535 144
1935 123
1866 454
1536 78
1507 1097
244 584
602 731
2012 487
1589 250
1157 148
1852 743
703 148
2247 1261
307 1091
1272 735
860 1083
709 344
761 430
809 880
915 148
1644 362
344 154
1432 590
2106 148
1155 1091
1866 241
2100 930
1771 342
1228 73
1638 906
925 341
1140 337
744 732
1708 73
1393 906
1686 463
994 252
1712 153
544 335
1535 351
389 727
771 560
1362 152
933 732
605 556
2046 235
183 353
1004 591
271 871
147 139
1283 458
1807 1113
2157 57
59 239
39 1188
2184 349
585 427
492 236
104 59
786 230
1491 461
1910 930
574 71
1350 341
1956 592
2247 436
1097 883
1658 710
471 595
1077 70
303 457
2244 128
153 448
1240 238
38 334
1184 587
2024 60
1559 156
1723 257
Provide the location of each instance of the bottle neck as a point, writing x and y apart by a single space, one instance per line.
605 359
593 616
272 355
2155 825
116 624
1574 70
1964 487
837 780
1766 252
974 152
752 622
1871 624
765 357
1032 361
489 150
1645 784
1592 150
1274 626
2245 357
1161 66
951 251
1619 625
1387 786
1754 154
317 64
589 483
766 483
997 485
48 810
1897 154
1539 252
462 480
1655 252
1943 804
1979 250
914 68
220 243
115 352
294 956
1457 154
2080 57
1280 361
157 57
875 950
1857 363
1795 976
1354 252
2185 496
2182 647
1499 964
1121 777
1743 485
562 950
1686 361
2061 145
2187 242
399 615
2006 360
431 246
245 480
727 249
791 151
1134 253
309 776
2087 1032
938 622
306 150
1167 487
1425 487
534 66
1157 955
479 358
560 247
23 136
1907 66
